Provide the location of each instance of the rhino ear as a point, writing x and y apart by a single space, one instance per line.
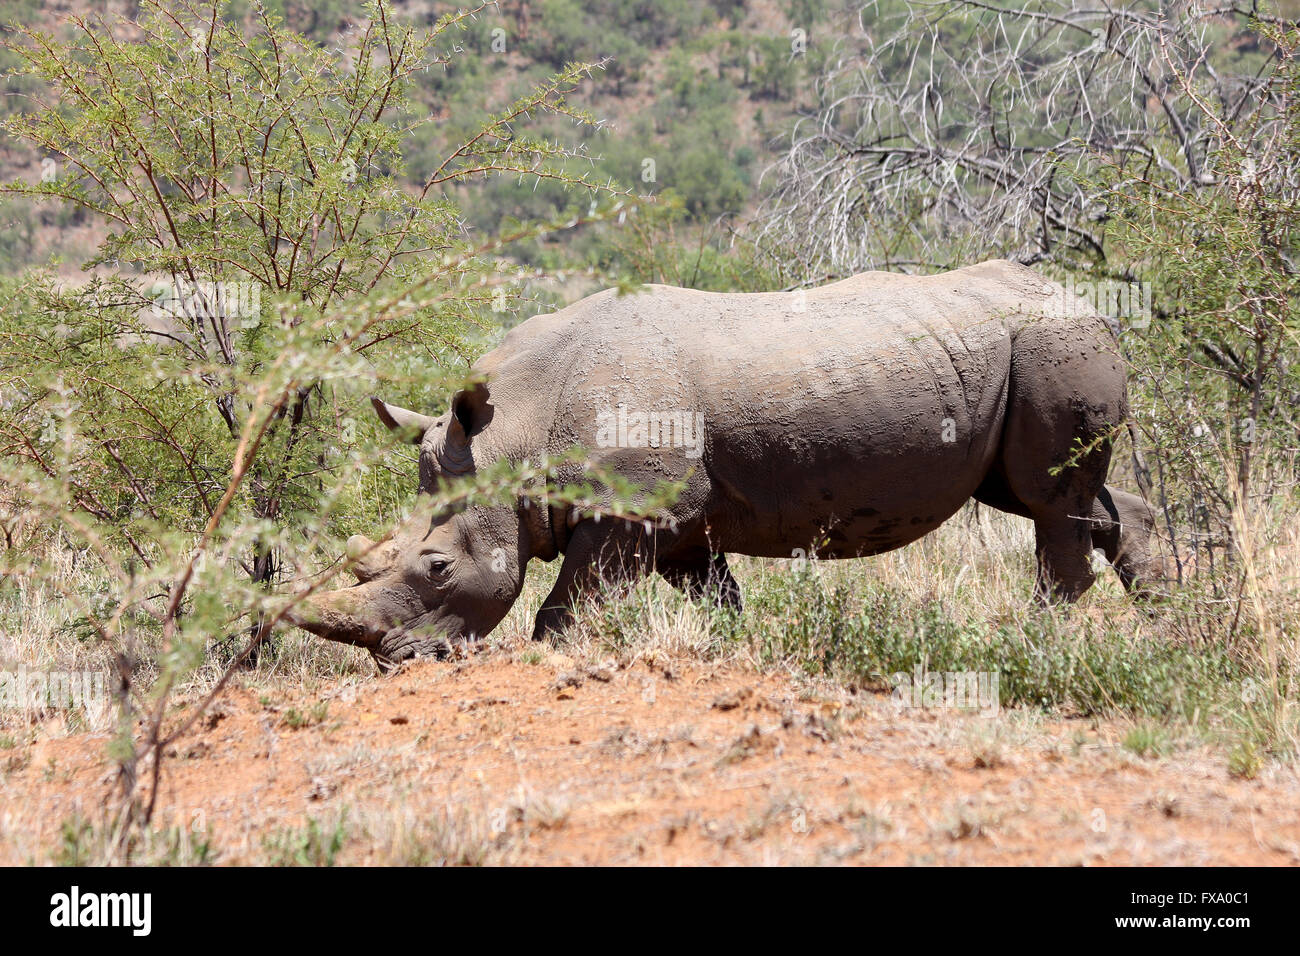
402 420
470 411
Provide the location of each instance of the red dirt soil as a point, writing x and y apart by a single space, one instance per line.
678 763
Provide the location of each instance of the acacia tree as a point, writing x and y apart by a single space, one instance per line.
236 166
178 416
1218 367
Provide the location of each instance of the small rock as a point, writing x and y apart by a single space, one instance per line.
733 699
321 789
566 680
603 672
474 703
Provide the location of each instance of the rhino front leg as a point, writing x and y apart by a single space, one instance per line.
704 577
599 553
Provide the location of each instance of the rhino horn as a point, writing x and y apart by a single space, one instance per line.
369 560
337 616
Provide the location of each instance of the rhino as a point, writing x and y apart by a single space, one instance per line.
839 422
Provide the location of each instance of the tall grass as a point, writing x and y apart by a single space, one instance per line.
1216 655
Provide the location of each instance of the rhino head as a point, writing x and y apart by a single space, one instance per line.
439 578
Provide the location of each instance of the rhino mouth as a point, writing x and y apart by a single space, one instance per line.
346 616
400 645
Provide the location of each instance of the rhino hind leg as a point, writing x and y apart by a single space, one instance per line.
1120 523
1063 539
1063 547
704 577
1065 401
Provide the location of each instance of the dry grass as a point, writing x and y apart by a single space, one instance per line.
976 571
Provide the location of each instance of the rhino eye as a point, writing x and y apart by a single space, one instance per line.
437 567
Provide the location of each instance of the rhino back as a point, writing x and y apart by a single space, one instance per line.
866 410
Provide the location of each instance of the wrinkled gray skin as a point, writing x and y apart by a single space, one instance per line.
847 420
